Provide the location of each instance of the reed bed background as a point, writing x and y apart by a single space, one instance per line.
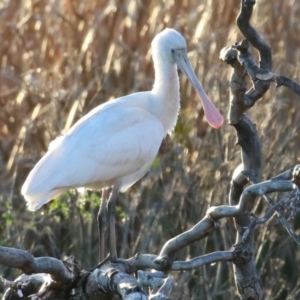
59 59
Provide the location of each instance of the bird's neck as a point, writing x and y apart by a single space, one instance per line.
166 88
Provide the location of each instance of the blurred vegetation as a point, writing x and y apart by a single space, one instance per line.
59 59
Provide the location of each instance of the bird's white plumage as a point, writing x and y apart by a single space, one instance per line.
116 143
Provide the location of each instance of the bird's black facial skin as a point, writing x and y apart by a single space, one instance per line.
173 53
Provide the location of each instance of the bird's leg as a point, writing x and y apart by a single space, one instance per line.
102 219
111 207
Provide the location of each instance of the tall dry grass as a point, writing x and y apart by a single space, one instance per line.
59 59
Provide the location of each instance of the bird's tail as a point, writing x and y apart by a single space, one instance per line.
43 182
35 202
39 187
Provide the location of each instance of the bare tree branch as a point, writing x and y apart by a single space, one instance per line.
204 260
277 208
263 188
158 282
112 279
25 261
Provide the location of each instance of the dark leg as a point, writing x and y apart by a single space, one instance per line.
102 219
111 206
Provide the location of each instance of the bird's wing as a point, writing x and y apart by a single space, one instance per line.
104 146
132 141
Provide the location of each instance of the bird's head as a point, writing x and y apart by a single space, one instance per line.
166 43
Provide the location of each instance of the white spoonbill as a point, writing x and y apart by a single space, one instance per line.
115 144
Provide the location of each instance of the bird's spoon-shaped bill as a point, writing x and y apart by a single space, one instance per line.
213 116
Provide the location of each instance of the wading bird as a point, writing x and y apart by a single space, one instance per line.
115 144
